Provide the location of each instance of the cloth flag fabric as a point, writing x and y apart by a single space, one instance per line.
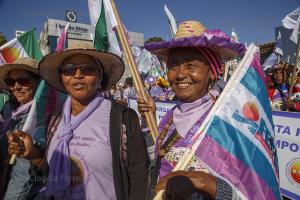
278 45
24 45
61 44
239 134
270 61
294 36
104 21
172 21
292 21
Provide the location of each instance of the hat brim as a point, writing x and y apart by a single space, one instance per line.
6 68
113 66
215 40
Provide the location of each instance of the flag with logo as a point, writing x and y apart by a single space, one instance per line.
104 21
26 45
237 142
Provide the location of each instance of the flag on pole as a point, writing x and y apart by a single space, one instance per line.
292 21
24 45
172 21
294 36
240 137
278 45
104 21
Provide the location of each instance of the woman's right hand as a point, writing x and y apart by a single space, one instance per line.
146 105
21 144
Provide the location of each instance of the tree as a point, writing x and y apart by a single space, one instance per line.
2 39
154 39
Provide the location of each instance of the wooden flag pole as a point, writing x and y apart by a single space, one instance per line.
150 119
294 75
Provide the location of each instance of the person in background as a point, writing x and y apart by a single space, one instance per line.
278 93
24 178
129 91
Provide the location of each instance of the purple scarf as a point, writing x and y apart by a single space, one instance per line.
59 163
21 110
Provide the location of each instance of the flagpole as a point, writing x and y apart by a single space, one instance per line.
150 119
293 81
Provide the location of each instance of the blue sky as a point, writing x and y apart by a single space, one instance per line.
253 20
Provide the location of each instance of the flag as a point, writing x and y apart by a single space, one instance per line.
292 21
294 36
278 45
239 134
61 44
104 21
24 45
172 21
270 61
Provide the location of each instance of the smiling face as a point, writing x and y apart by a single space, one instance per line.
83 84
23 90
188 74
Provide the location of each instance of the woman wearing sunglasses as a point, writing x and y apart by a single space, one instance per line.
95 147
20 79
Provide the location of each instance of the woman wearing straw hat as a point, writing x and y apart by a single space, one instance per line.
193 59
95 147
21 79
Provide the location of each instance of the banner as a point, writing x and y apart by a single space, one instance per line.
162 107
287 135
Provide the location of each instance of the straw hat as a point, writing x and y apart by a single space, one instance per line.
27 64
194 34
113 66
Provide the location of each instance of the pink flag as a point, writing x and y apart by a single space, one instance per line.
62 39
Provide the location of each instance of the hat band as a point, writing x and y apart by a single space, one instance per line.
213 59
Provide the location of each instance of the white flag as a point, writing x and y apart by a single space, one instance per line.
294 36
290 20
172 21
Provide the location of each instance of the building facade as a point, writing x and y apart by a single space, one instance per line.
77 33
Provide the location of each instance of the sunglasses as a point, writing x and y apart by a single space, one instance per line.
24 81
71 69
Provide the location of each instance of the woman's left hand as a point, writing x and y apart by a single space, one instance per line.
203 182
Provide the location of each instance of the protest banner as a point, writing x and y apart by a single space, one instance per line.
287 135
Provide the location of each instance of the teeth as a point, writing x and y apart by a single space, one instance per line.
78 86
183 85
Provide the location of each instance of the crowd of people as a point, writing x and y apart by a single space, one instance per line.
93 148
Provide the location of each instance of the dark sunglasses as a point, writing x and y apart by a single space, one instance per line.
85 69
24 81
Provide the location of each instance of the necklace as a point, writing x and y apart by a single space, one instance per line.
163 149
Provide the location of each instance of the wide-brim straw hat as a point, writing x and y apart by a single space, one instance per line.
194 34
26 64
112 65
